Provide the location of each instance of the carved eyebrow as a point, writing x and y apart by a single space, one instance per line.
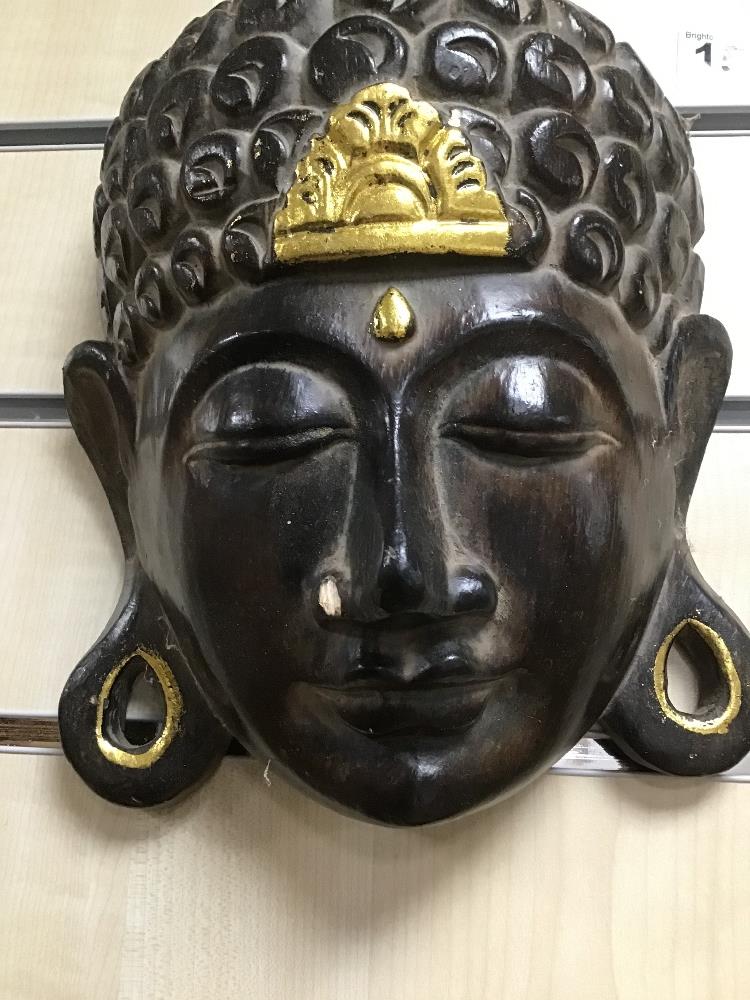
251 348
521 327
264 387
550 388
521 332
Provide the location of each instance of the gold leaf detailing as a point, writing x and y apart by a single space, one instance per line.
393 318
140 760
715 725
388 177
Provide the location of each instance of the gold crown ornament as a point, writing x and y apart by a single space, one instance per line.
389 177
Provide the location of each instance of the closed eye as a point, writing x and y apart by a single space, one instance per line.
268 446
532 445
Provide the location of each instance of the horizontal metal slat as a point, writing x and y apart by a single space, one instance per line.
53 135
595 755
91 134
49 411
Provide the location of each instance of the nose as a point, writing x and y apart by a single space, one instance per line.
401 582
402 587
409 559
417 572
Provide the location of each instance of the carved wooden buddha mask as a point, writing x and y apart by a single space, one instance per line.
404 396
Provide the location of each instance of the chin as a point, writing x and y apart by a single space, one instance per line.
418 791
408 777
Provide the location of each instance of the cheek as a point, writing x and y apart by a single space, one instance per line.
572 546
528 517
252 544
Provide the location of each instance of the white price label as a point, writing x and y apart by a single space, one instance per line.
712 59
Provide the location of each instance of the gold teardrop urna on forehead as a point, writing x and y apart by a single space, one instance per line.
389 177
393 318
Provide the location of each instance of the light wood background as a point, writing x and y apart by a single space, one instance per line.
580 888
576 889
48 270
75 59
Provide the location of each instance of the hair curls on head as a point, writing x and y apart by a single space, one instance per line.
593 162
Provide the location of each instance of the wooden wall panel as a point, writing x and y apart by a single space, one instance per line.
47 264
48 270
74 59
576 889
718 525
61 565
62 560
722 165
64 868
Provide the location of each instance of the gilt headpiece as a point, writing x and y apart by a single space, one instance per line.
388 177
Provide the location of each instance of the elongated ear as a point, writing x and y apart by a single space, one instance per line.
697 375
138 641
189 741
103 417
641 718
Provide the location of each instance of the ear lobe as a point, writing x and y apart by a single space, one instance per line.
102 414
641 718
697 375
93 708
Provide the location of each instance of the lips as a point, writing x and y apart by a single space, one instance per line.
430 709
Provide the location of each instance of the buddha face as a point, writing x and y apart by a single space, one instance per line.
413 571
409 520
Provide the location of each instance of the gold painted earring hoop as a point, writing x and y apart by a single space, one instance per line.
174 708
702 727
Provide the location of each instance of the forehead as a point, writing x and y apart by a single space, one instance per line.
323 316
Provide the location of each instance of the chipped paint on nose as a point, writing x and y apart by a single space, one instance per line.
329 598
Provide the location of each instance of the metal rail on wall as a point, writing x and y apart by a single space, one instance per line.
21 410
89 134
596 755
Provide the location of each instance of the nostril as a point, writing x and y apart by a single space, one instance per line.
472 591
400 581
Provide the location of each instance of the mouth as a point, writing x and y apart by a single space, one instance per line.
437 709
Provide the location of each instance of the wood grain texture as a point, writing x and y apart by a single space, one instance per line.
27 731
577 889
48 268
62 560
64 867
73 59
718 525
722 164
61 564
